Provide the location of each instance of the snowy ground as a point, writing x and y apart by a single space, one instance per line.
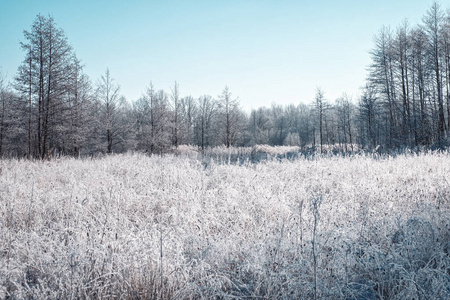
139 227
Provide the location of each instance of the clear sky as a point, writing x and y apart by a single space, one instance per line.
265 51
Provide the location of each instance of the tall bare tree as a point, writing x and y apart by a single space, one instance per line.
433 21
344 110
3 110
43 82
383 79
402 50
207 111
231 118
154 121
368 113
188 110
175 96
108 94
320 111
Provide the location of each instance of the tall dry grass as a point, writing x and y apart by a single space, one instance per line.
138 227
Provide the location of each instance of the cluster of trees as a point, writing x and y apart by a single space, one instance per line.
49 107
53 108
407 98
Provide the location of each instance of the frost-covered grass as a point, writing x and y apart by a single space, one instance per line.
224 151
139 227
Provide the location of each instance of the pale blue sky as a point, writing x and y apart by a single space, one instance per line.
265 51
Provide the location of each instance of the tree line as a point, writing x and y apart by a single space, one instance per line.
53 108
406 102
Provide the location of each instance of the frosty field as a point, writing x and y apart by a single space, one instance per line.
139 227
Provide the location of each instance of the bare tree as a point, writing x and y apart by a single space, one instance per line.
231 118
43 81
279 124
433 20
420 75
382 77
188 110
446 53
207 110
344 114
79 102
3 106
175 96
368 110
111 101
320 110
260 126
13 136
153 121
402 50
26 86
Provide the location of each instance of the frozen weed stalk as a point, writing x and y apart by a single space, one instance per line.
316 201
